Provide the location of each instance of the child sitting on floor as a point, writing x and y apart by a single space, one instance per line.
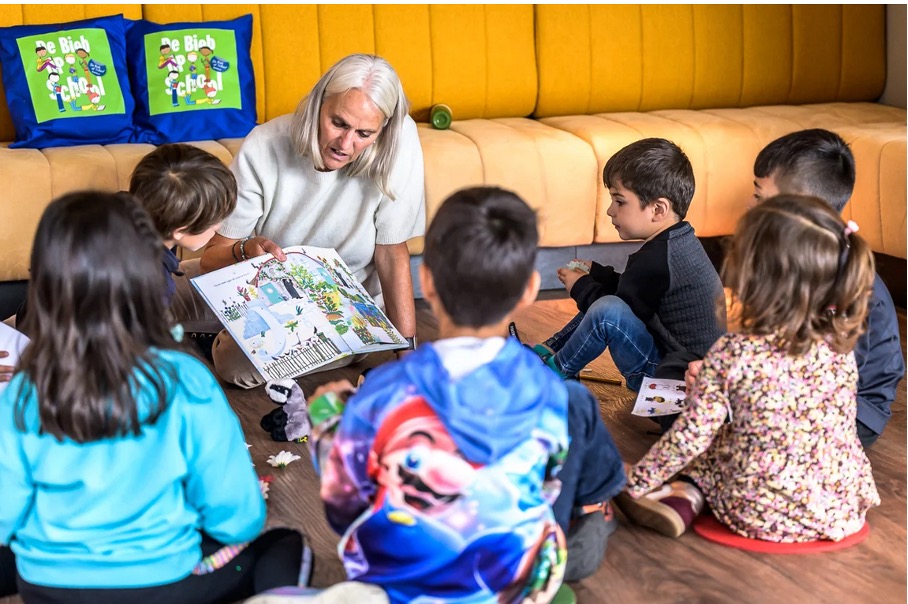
664 301
818 162
187 192
442 470
113 441
768 438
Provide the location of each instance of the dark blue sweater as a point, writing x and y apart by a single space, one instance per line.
671 286
881 365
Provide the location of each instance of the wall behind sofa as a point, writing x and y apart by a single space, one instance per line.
896 49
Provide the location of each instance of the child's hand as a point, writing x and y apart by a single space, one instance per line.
6 371
690 376
569 276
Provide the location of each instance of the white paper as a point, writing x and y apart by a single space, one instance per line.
12 342
660 397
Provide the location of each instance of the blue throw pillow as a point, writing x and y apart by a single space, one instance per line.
67 83
192 81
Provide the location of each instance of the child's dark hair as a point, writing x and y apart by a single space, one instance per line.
183 186
812 162
796 269
652 168
95 310
481 250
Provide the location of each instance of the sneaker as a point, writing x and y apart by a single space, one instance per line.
548 358
512 331
669 511
544 352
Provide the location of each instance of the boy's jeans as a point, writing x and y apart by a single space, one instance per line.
609 323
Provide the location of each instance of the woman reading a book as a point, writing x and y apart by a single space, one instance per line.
345 171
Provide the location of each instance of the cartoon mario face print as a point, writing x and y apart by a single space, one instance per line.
419 466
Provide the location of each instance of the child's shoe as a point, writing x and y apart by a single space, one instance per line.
204 341
548 357
669 511
587 540
512 331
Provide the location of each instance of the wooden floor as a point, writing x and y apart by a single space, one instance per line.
640 566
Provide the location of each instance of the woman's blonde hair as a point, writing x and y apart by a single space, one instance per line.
797 270
377 80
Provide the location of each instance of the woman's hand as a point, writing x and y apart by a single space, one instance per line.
222 251
259 246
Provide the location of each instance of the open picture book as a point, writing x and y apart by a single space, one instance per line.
294 316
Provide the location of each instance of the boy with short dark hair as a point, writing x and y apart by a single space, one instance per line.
441 472
665 302
812 162
818 162
188 192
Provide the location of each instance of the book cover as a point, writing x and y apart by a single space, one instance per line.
294 316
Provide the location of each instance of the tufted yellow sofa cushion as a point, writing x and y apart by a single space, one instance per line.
635 71
542 96
648 57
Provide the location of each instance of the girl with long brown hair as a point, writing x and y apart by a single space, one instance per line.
121 462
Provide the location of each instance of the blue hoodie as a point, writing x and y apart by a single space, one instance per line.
128 511
442 488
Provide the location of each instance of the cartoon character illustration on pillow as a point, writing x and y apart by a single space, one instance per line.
94 98
206 60
53 84
210 94
166 59
191 57
84 60
45 61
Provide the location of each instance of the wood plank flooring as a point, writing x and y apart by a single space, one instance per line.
640 566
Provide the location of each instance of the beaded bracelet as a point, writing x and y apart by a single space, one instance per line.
233 251
243 248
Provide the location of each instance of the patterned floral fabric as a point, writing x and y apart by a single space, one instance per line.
788 465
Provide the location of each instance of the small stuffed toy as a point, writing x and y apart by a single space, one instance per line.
290 421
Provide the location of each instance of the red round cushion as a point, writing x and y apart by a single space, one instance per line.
711 529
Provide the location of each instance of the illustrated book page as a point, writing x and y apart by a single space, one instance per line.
294 316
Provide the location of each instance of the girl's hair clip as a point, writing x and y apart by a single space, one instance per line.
830 310
851 227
